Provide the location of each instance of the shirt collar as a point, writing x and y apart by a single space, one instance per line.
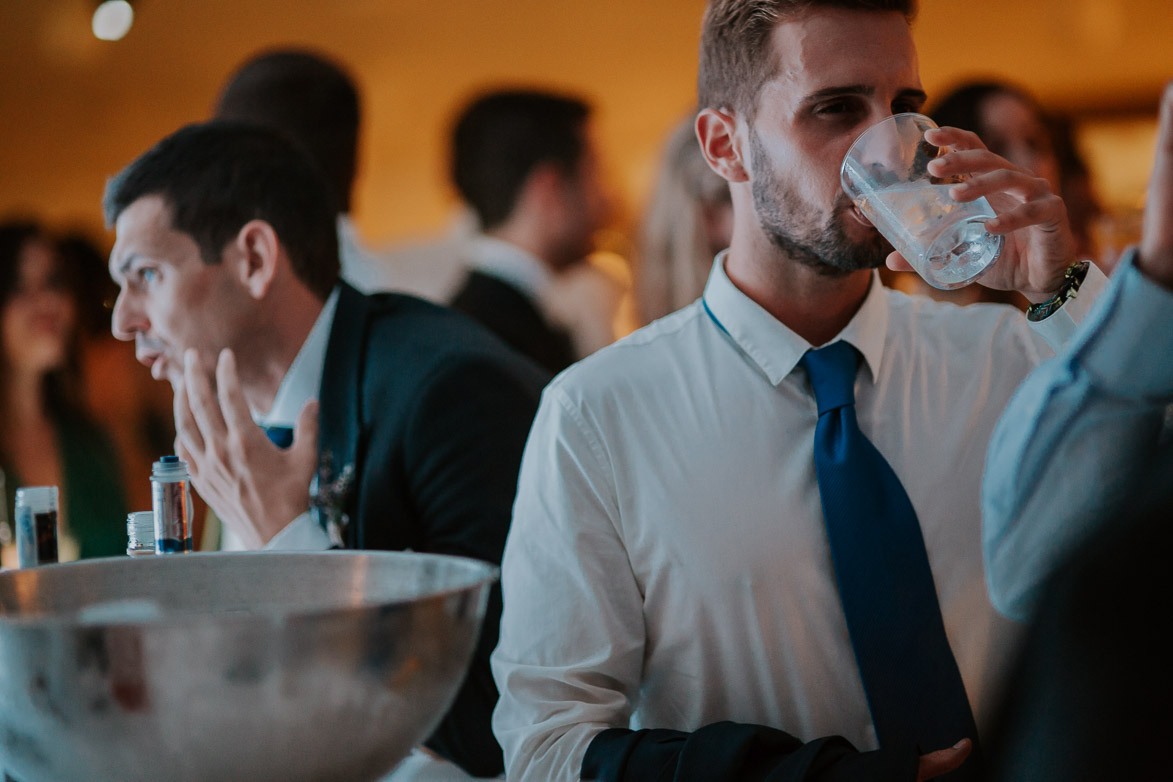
346 226
349 248
304 376
511 264
774 348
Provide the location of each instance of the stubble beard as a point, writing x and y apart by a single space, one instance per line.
793 226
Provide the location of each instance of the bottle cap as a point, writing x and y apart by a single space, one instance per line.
170 468
37 497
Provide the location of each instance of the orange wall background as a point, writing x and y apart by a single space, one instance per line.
73 109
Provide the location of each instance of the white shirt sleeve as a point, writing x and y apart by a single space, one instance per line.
571 650
302 534
1061 326
1071 444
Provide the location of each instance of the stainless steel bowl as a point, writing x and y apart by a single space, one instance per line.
227 667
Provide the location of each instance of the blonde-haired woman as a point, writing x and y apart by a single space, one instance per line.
688 221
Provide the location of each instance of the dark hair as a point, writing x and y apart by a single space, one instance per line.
61 392
85 265
962 106
309 98
217 176
734 56
14 235
502 136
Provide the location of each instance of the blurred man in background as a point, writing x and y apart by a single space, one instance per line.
314 101
526 164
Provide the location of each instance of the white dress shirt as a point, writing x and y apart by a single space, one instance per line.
433 268
301 383
1072 446
668 565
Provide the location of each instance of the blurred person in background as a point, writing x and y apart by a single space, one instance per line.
122 399
688 220
525 161
1078 190
1007 120
592 301
314 101
46 436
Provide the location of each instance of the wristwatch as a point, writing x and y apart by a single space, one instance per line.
1069 289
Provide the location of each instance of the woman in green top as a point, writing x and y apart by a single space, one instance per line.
46 437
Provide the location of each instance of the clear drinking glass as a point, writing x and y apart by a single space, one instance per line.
886 174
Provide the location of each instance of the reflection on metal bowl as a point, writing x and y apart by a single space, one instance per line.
222 667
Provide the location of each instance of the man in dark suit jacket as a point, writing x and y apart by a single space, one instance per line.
525 163
514 317
227 261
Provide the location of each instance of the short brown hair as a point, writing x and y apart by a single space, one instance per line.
734 62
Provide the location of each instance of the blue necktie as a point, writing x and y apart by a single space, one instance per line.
914 690
280 436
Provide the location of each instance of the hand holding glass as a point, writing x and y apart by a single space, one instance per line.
886 174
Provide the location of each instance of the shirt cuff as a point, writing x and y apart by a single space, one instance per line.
302 534
1130 340
1058 329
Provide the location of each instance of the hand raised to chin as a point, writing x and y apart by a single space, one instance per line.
255 487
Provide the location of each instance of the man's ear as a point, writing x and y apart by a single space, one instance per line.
256 254
716 129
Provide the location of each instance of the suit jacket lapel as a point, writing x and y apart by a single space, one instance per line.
340 398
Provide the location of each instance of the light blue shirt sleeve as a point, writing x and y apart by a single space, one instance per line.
1071 445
